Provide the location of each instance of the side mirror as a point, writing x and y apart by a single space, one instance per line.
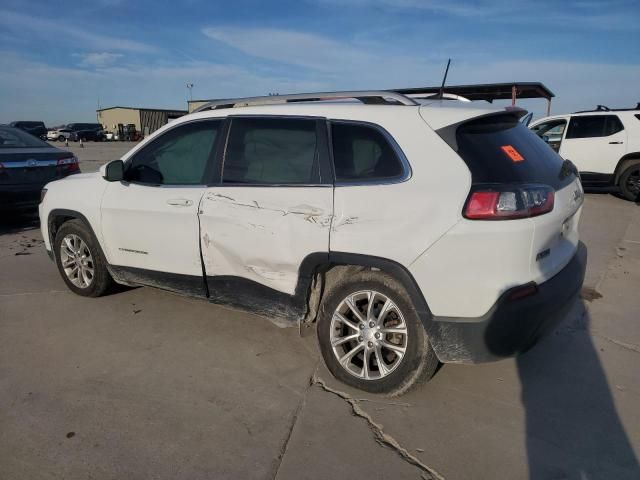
113 171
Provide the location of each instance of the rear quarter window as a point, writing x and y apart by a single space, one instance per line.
499 149
362 153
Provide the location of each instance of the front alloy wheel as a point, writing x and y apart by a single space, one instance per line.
368 335
77 261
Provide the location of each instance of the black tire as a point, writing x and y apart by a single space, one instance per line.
61 138
419 362
630 182
101 282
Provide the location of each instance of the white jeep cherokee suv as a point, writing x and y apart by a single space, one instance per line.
604 145
413 232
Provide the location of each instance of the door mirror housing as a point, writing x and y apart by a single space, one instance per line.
113 171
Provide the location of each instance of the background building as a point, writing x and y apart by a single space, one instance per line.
146 120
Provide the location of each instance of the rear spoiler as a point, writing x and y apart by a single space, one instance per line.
448 133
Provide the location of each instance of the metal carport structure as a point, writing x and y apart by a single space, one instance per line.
489 91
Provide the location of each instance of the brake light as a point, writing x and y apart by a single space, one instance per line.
509 202
67 165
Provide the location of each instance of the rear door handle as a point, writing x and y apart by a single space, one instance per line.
615 143
180 202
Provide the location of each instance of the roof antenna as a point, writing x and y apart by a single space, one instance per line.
446 72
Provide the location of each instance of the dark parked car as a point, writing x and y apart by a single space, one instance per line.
78 131
26 165
34 128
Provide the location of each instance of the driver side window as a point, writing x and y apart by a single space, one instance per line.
177 157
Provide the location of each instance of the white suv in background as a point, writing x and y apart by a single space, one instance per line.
412 231
604 145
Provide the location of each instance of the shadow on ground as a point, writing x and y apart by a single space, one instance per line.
572 427
18 222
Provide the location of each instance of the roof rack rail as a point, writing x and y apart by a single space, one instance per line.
604 108
375 97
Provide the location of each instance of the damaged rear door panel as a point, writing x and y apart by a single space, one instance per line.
271 209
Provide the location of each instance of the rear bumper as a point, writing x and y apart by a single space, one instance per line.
511 326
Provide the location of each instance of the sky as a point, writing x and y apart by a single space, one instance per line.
59 61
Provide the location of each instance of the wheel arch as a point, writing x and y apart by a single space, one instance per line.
624 162
317 267
59 216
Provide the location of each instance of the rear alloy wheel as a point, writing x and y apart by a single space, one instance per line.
630 183
61 138
371 337
80 260
368 335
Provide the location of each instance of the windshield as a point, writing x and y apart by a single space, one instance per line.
15 138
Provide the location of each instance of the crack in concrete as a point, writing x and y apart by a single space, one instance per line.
628 346
382 438
285 445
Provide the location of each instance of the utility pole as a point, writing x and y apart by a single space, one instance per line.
190 87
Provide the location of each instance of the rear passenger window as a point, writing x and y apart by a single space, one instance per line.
270 151
362 153
590 126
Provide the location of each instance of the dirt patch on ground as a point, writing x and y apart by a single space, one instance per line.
589 294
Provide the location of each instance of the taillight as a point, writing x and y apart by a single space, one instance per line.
504 202
67 165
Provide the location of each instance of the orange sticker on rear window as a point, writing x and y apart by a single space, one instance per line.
512 153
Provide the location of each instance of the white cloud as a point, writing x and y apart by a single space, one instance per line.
98 59
569 14
287 46
47 29
458 8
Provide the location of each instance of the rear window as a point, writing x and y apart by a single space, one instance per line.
16 138
500 149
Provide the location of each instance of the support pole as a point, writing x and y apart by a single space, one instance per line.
548 106
513 96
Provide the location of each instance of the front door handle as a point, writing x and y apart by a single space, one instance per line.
180 202
615 143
